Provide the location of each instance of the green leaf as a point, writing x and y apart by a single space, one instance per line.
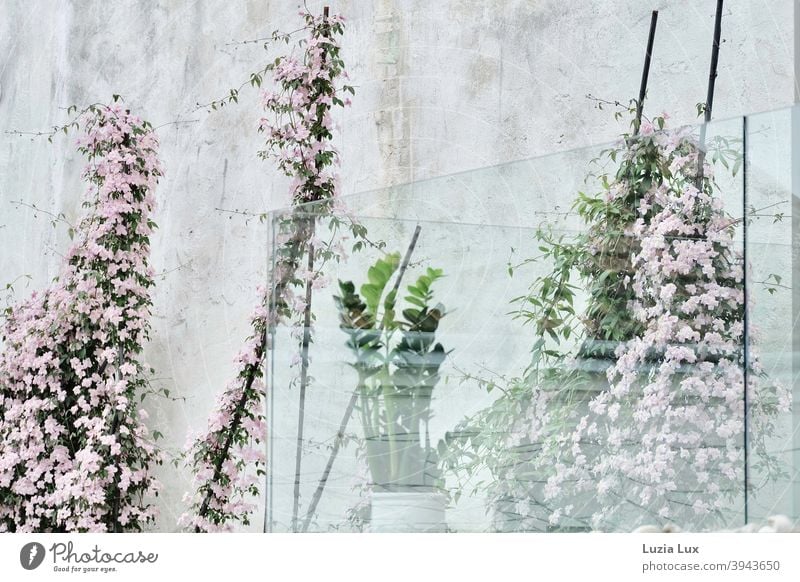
389 301
379 275
375 277
415 301
412 315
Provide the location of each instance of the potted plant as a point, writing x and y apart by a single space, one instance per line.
397 361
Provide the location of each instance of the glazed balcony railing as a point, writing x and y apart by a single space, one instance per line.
424 379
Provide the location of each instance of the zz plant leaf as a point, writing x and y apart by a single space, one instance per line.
379 276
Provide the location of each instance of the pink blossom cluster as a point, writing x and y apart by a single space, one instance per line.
667 435
228 458
75 454
299 125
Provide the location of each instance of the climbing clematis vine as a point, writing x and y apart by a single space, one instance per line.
228 458
665 441
635 406
75 454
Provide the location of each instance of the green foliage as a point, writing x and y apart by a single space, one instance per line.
598 259
379 276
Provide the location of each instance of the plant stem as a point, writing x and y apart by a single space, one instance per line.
235 421
407 259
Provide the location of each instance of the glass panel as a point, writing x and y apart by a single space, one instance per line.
773 462
452 406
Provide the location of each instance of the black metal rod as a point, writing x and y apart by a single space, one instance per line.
709 105
712 71
645 72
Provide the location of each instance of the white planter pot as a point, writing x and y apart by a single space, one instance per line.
407 512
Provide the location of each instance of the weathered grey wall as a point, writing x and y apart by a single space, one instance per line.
442 87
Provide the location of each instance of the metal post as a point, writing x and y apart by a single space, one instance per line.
645 72
712 80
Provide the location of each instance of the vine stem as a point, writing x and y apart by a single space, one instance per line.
351 405
235 422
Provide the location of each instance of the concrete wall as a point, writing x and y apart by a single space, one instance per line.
441 87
